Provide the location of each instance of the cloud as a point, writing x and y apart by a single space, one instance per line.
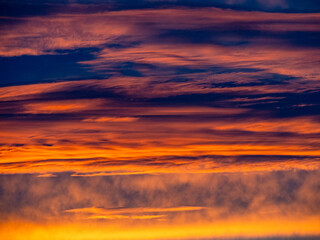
62 106
129 213
188 201
159 120
111 119
82 122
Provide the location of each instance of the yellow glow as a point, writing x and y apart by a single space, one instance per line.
221 229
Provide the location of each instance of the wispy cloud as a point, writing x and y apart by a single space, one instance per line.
129 213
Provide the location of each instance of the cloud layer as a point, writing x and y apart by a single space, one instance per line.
159 119
169 202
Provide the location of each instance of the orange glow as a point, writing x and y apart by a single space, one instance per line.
232 228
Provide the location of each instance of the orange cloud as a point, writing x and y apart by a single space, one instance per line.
111 119
129 213
63 106
108 137
133 210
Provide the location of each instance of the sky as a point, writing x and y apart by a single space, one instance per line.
159 119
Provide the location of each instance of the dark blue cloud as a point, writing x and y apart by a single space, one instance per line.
241 35
57 66
39 7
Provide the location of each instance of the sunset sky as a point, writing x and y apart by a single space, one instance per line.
159 119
